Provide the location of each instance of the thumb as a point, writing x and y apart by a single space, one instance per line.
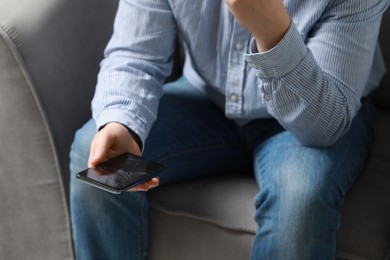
99 149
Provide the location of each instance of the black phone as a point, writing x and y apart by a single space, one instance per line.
120 173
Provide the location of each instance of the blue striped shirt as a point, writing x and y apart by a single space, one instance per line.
312 81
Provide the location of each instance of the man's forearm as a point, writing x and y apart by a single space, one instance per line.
267 21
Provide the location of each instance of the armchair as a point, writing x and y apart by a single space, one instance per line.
49 58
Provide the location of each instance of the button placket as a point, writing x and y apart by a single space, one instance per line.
235 74
266 91
234 98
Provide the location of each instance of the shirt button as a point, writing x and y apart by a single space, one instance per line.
234 98
266 95
239 46
265 91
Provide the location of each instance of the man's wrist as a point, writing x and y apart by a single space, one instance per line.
266 40
136 138
133 135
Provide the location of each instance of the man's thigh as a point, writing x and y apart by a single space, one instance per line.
193 137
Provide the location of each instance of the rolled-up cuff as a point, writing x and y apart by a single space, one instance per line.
281 59
124 118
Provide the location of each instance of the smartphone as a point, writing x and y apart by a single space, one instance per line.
120 173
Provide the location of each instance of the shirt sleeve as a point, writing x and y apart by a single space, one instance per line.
313 86
135 65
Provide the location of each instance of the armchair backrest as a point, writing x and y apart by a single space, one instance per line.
59 44
381 96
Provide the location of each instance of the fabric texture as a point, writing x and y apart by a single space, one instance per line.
34 220
200 237
364 226
339 74
34 217
61 45
381 97
50 50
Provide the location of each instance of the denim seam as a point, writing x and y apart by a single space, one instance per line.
204 219
141 228
139 224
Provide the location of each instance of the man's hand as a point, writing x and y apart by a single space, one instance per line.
113 140
266 20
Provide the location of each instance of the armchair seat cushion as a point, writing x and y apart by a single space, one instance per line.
203 219
365 216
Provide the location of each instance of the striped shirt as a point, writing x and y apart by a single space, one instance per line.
312 81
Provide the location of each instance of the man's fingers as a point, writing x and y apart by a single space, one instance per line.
99 149
112 140
147 185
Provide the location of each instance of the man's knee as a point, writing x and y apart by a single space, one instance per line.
299 191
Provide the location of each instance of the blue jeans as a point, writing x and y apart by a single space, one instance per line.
301 188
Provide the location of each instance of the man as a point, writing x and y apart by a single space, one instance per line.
277 85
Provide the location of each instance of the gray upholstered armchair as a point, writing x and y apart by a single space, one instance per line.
49 56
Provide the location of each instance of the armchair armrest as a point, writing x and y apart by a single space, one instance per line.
50 51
